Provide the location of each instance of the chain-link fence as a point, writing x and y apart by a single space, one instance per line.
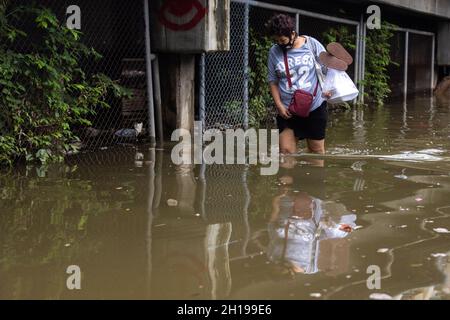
224 94
234 91
116 30
231 94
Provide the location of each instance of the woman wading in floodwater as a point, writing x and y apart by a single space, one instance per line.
300 52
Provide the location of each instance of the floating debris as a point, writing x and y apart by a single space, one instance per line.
358 227
382 250
315 295
441 230
418 199
380 296
358 166
139 156
172 202
67 245
119 188
411 156
431 151
438 255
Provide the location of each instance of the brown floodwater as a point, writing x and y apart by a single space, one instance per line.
140 227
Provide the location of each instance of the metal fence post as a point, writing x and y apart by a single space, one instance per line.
363 56
148 60
246 64
357 60
405 73
158 101
201 101
360 57
357 57
433 44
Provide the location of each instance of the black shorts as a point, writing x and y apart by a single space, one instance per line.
313 127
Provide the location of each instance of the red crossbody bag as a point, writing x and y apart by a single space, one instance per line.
301 100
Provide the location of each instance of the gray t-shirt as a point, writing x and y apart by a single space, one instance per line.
301 68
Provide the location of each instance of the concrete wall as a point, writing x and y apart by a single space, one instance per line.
439 8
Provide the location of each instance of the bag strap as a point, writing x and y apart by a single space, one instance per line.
317 66
315 90
288 74
286 65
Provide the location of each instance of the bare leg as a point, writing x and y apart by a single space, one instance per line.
288 145
316 146
288 142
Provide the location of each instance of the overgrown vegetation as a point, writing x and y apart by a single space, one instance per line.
44 91
260 101
260 104
376 80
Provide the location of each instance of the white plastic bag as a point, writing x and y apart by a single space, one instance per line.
340 85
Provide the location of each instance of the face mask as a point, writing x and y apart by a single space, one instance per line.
286 46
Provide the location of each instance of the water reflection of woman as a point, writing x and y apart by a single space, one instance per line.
296 228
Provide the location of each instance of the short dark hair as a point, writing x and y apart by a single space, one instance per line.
280 25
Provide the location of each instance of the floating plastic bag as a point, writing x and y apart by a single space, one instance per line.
340 85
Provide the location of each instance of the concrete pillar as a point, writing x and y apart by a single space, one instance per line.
443 44
185 91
